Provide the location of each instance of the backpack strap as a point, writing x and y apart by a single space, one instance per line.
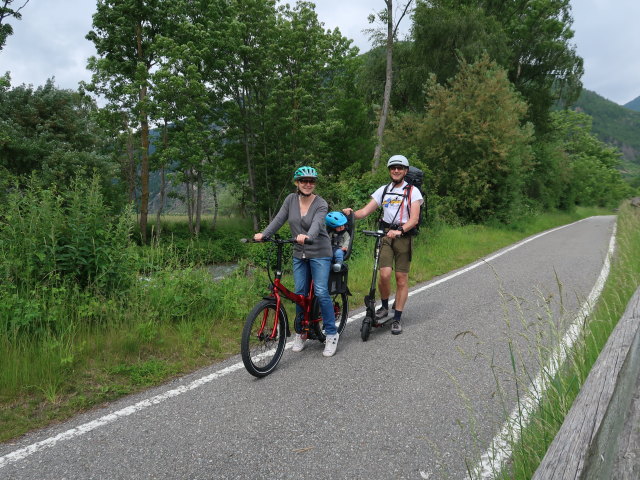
406 195
384 193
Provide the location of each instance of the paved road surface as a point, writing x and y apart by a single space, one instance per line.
425 404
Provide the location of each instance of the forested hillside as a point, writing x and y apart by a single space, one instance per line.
613 124
633 104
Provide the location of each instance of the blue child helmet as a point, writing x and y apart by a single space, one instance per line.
335 219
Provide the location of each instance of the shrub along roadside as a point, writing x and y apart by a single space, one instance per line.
176 320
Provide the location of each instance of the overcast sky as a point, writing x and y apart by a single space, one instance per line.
49 41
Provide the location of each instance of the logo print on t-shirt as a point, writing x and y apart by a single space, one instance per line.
395 201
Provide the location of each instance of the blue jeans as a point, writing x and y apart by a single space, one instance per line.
304 269
338 255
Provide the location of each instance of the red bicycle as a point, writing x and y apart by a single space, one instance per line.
267 326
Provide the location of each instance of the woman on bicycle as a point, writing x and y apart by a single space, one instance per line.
305 211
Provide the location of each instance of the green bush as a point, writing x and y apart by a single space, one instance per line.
52 238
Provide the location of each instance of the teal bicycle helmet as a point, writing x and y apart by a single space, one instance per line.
335 219
305 172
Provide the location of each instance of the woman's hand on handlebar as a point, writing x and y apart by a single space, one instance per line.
258 237
301 238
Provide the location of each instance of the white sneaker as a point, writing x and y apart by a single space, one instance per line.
330 345
298 342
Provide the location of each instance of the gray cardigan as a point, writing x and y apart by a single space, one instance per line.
312 225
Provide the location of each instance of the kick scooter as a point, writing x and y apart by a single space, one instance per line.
370 300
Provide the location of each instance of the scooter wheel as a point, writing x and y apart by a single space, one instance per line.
365 329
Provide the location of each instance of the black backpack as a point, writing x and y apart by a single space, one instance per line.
414 178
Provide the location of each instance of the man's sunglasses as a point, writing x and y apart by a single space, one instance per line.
307 180
396 167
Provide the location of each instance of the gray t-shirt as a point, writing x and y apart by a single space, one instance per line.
312 225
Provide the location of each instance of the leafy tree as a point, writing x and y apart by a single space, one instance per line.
594 178
51 132
288 81
5 13
247 83
444 34
125 34
188 99
529 38
473 140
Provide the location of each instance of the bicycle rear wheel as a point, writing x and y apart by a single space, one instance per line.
340 309
263 338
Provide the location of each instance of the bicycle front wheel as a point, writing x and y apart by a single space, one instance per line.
263 338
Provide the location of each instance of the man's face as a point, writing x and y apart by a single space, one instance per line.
397 173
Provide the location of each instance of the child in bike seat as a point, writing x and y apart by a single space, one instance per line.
337 229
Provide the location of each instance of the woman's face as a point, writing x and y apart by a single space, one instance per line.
306 185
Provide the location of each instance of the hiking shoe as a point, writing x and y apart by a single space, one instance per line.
396 327
330 345
381 313
298 342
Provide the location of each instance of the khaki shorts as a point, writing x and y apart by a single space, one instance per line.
398 250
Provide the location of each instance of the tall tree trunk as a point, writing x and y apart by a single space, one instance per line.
163 185
144 131
189 200
215 207
386 98
198 202
131 166
246 139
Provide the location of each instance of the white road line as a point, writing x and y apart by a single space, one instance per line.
24 452
500 449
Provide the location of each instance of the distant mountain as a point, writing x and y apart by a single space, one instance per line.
613 124
633 104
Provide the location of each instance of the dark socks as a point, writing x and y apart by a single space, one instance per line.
397 314
385 303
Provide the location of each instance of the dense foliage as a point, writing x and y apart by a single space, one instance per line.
52 132
55 242
529 39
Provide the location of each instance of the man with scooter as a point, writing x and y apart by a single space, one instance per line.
400 204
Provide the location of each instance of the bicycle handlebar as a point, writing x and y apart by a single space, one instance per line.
373 233
307 241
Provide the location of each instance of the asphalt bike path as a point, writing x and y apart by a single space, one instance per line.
424 404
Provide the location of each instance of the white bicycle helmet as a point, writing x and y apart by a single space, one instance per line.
398 160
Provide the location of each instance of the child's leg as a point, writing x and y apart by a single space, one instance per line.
338 258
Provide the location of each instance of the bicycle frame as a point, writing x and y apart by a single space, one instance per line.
278 290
